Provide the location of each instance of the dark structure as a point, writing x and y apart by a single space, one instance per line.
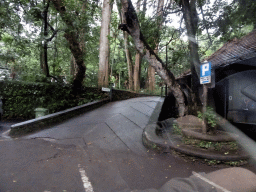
169 108
235 97
232 91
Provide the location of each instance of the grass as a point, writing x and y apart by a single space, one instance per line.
217 146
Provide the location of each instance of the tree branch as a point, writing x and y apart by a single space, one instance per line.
202 12
131 25
53 35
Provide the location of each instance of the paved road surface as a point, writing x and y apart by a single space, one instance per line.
97 151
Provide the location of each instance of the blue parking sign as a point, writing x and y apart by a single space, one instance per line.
205 73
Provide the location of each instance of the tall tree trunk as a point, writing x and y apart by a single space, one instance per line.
103 74
138 6
45 44
71 37
137 65
129 62
151 79
144 9
191 21
73 66
131 25
136 75
79 35
151 71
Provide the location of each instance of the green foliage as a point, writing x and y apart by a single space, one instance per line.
205 144
230 163
150 30
176 129
236 163
177 51
21 44
210 116
211 145
22 53
21 98
212 162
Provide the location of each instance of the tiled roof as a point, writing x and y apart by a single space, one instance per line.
234 51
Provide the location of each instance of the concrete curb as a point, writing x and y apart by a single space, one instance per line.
48 120
151 140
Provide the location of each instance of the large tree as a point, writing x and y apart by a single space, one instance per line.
131 25
71 37
103 74
159 21
130 65
191 21
138 59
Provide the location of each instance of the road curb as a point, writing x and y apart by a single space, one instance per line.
153 141
48 120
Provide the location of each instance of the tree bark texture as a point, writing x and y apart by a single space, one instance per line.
129 61
136 75
131 25
45 44
71 37
137 65
151 71
138 6
103 74
191 21
151 78
80 35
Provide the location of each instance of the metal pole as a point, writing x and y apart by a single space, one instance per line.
166 68
204 129
119 79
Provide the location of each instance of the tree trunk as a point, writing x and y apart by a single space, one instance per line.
79 35
138 58
136 74
129 61
191 21
73 67
151 79
45 43
151 71
144 9
138 6
103 74
71 37
131 25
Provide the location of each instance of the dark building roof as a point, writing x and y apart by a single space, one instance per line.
240 51
237 51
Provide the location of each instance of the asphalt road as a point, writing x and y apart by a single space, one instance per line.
97 151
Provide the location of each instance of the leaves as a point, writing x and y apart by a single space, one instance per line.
20 99
210 116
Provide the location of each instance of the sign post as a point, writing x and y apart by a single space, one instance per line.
205 73
205 77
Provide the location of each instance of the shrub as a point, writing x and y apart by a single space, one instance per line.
20 99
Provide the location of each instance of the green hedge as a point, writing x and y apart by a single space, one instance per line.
20 99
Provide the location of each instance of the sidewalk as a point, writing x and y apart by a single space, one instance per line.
124 119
